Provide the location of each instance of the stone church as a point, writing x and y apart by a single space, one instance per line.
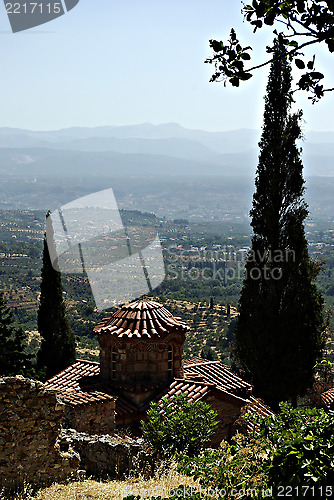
141 360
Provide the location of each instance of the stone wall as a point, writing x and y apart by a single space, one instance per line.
30 419
94 418
107 456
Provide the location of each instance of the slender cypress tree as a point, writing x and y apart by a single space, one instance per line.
57 350
280 330
13 359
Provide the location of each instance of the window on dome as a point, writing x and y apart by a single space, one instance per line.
170 362
113 363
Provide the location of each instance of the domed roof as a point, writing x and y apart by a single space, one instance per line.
141 319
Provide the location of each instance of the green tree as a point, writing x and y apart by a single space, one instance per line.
57 350
179 425
13 359
280 329
303 23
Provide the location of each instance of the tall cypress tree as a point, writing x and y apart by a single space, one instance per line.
58 343
13 359
280 330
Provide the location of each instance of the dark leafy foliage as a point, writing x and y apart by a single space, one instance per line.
304 23
179 425
293 449
234 467
13 359
302 444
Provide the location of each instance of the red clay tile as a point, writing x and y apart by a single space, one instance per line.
140 319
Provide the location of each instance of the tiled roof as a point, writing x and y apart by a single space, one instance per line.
80 384
192 361
141 319
194 390
67 383
74 391
123 407
69 378
214 372
328 398
255 407
79 397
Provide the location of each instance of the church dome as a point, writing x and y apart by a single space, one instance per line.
141 319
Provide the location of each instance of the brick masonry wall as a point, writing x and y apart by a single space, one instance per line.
140 361
30 419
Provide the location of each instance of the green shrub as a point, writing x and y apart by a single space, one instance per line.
233 468
302 446
179 425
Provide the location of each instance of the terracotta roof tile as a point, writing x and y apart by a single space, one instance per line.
194 390
141 319
214 372
122 405
80 384
78 397
69 378
327 398
86 392
193 361
256 407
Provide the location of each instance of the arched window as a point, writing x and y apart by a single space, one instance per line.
113 363
170 362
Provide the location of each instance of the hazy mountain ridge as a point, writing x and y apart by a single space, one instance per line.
146 149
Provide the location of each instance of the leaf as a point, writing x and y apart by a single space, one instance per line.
235 81
292 43
217 46
310 64
245 56
299 63
330 44
300 6
239 65
269 19
231 55
245 76
258 24
233 35
315 75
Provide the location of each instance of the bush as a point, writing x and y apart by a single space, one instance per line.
293 449
179 425
233 468
302 444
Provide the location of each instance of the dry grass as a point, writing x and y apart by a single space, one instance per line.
163 481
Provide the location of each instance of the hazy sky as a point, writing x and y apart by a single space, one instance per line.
110 62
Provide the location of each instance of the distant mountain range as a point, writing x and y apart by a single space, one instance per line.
146 149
